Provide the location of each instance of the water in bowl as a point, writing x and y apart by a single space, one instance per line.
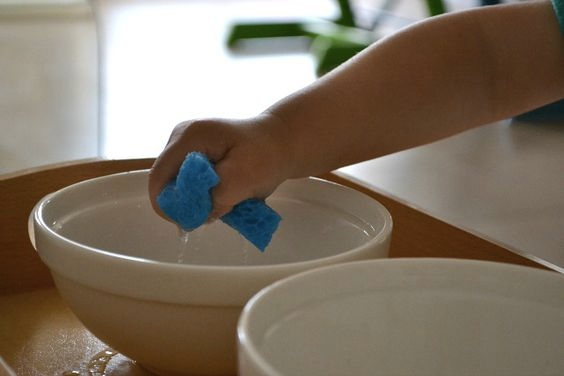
308 230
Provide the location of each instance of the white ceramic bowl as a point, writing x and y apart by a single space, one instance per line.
407 317
116 263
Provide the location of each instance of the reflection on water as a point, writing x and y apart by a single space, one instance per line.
97 364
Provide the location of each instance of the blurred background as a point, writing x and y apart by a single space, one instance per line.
111 78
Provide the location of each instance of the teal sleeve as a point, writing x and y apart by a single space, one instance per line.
558 6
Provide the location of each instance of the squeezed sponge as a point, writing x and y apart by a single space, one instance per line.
255 220
187 201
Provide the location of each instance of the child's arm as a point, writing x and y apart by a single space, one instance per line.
434 79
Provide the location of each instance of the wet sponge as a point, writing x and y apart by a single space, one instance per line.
255 220
187 201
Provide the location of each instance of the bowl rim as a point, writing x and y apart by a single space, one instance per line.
36 212
148 266
247 344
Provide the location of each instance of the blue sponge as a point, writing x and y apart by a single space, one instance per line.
255 220
187 201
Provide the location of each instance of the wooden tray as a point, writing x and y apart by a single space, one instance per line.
40 336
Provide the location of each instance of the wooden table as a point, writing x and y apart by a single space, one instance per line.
40 336
502 182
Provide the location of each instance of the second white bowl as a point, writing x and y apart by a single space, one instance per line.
407 317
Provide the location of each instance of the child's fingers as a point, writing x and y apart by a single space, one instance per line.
240 153
239 181
232 189
211 137
167 164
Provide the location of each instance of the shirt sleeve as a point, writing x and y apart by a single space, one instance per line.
558 6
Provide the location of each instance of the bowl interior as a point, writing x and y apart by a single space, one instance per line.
113 214
436 317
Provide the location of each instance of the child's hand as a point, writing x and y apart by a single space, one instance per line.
251 158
